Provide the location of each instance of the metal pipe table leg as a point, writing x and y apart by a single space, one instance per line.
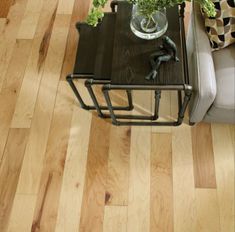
78 96
188 94
94 99
157 98
90 82
151 118
182 107
179 99
129 97
96 105
110 107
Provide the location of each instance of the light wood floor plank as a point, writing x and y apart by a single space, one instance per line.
10 171
78 15
224 166
32 166
183 180
5 7
30 19
65 6
28 94
69 212
139 181
115 219
11 88
51 180
203 156
8 37
174 105
46 204
161 197
88 175
232 132
22 213
118 166
3 22
143 102
92 214
207 210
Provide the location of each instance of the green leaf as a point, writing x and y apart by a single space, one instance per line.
94 17
146 7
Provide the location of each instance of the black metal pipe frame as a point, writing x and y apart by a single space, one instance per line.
107 87
96 106
69 79
113 5
157 88
183 42
90 82
182 105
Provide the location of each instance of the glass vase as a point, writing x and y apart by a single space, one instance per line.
148 26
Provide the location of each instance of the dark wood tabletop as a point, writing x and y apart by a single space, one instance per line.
95 48
131 54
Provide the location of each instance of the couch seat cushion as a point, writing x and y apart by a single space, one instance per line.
224 62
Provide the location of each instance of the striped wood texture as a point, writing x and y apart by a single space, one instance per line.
64 169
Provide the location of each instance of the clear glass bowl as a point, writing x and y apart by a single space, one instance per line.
148 27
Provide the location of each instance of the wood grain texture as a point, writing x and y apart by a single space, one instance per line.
2 24
118 166
46 205
77 170
32 167
5 7
22 221
74 175
51 179
115 219
203 156
131 54
65 7
183 180
207 210
25 105
161 196
232 132
30 19
10 171
139 180
72 42
142 101
11 88
96 176
224 151
8 36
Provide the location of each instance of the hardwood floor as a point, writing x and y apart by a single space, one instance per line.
64 169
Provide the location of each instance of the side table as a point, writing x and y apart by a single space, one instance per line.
131 64
110 55
94 60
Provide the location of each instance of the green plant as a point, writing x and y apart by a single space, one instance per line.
146 7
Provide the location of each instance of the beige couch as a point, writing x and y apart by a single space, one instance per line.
212 75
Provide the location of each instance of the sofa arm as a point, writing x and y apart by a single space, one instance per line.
201 67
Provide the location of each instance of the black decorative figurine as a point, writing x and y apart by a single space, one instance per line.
167 52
